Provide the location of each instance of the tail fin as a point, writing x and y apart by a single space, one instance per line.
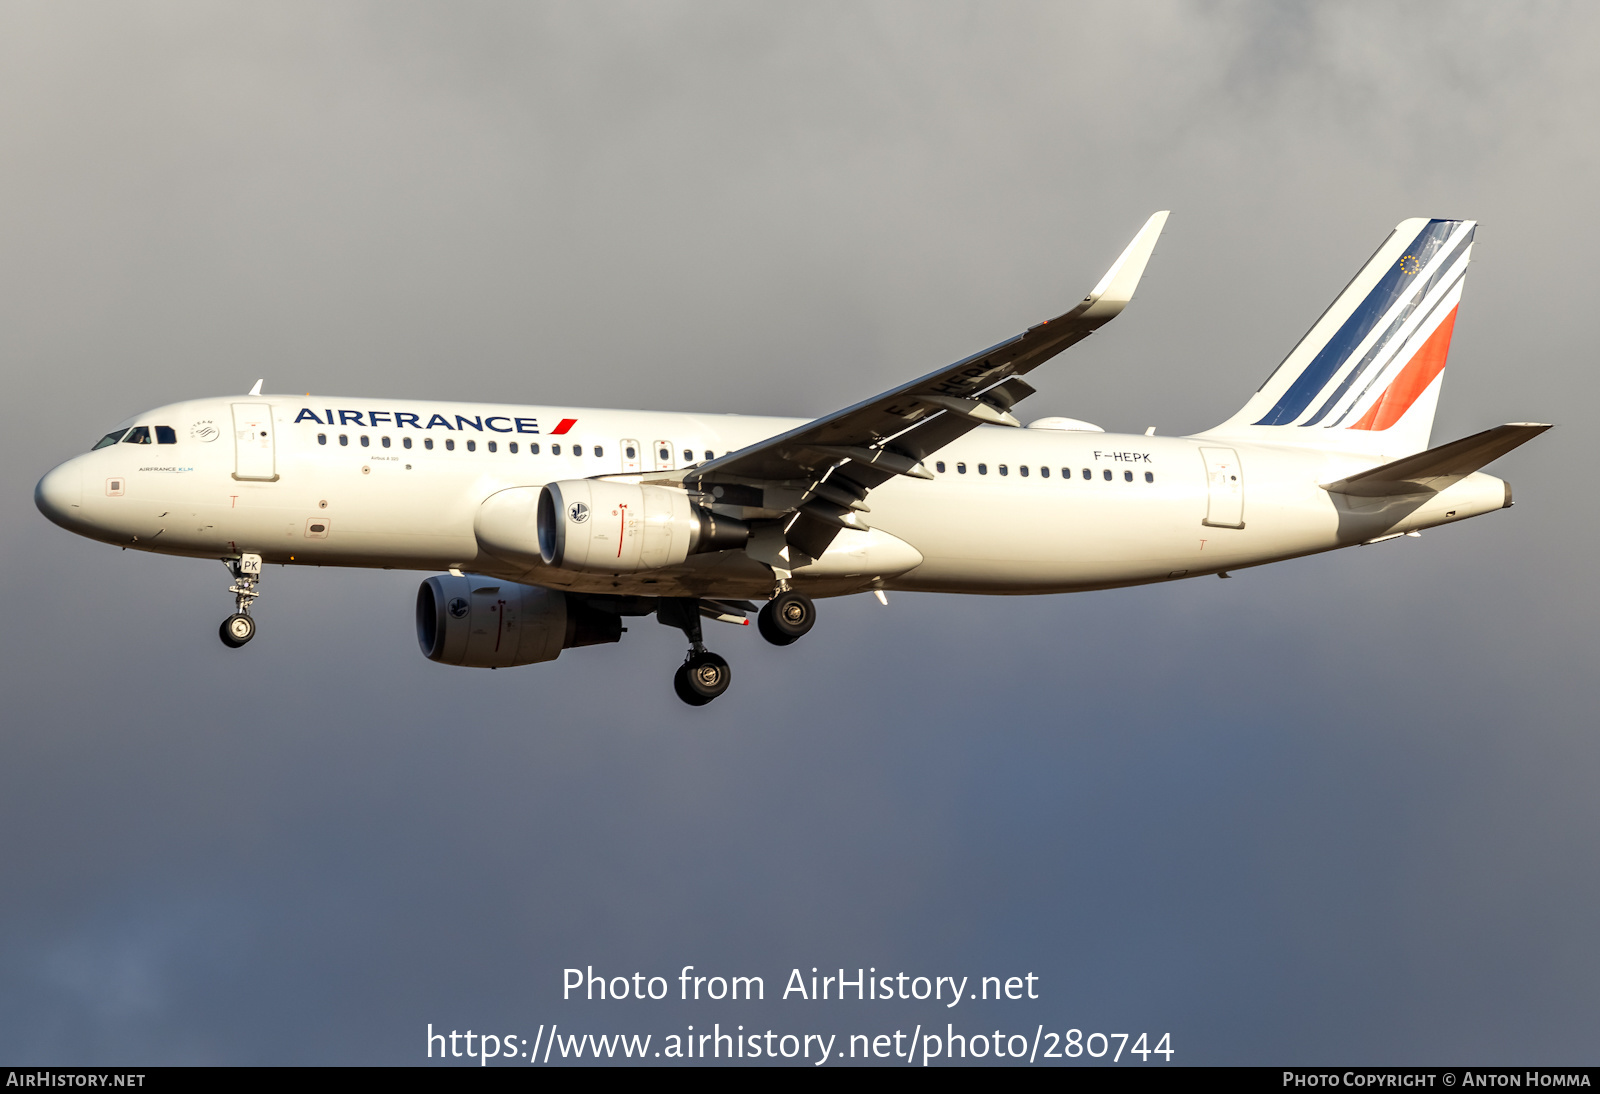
1366 377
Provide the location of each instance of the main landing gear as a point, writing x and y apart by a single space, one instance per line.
703 675
239 627
701 678
786 618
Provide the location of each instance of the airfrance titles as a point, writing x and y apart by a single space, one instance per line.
405 419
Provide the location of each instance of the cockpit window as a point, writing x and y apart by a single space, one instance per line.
139 434
108 439
165 434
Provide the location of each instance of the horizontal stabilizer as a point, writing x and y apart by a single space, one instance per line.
1431 471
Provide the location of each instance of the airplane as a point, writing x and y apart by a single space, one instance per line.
551 526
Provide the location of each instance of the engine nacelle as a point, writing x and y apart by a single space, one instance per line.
483 623
594 526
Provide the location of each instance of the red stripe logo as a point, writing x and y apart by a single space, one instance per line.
566 424
1413 380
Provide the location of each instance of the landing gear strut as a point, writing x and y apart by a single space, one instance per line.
703 675
786 618
239 628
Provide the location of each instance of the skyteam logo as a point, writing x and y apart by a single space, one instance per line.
578 511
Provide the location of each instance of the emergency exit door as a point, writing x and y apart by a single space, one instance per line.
630 456
661 455
1224 488
254 455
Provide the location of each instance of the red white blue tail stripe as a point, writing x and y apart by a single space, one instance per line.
1376 354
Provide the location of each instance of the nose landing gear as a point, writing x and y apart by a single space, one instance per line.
239 627
236 630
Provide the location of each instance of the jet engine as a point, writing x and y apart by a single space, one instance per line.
482 623
594 526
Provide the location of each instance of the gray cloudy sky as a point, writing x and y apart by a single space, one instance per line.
1337 810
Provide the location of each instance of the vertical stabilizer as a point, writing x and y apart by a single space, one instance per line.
1366 377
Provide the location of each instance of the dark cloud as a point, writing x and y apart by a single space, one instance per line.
1340 808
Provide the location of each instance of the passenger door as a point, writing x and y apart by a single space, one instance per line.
661 454
1224 488
254 454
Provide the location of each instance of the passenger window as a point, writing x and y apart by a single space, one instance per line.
449 444
1044 472
1004 470
961 469
322 438
492 447
555 450
511 446
662 453
1023 470
472 446
365 442
533 449
939 467
631 452
108 439
598 451
688 455
427 442
1127 476
405 442
139 434
344 439
577 450
1087 473
709 456
166 435
1107 474
386 442
1149 476
983 469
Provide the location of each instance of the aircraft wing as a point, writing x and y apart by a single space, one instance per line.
815 477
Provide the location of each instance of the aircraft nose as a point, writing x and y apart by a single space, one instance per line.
59 494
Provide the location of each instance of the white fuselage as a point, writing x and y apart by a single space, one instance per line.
1008 511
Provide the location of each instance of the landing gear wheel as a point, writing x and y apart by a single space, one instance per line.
236 630
701 679
786 618
239 628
